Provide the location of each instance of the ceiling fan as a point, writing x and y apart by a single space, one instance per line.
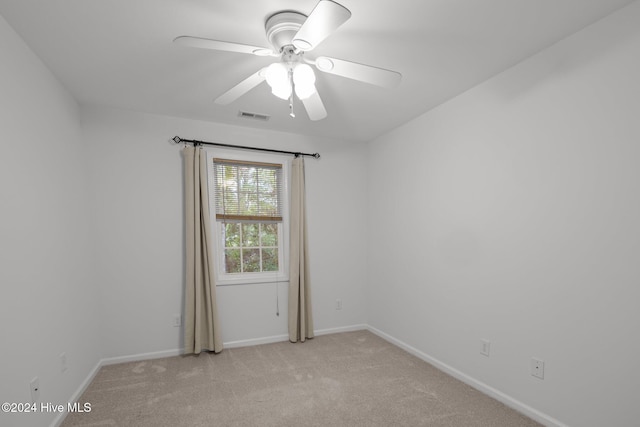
291 35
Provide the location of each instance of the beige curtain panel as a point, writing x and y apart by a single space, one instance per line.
201 326
300 318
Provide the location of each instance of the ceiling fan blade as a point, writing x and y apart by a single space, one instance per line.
364 73
324 19
241 88
225 46
315 107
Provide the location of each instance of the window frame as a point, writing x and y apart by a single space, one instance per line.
226 279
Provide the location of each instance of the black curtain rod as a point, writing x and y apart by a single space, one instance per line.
195 143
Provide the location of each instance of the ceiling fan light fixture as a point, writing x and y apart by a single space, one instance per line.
291 34
304 81
277 76
283 92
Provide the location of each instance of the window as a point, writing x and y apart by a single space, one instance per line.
248 208
250 248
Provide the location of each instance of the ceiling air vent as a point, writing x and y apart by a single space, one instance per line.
254 116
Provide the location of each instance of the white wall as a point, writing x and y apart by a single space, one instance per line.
137 194
511 214
47 304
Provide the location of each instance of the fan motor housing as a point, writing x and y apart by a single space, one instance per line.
282 27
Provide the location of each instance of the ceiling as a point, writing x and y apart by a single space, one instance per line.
119 53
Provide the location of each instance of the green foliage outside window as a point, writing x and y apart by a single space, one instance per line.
250 247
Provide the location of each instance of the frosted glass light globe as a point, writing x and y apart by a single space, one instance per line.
277 76
304 81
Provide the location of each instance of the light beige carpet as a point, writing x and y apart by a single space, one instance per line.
346 379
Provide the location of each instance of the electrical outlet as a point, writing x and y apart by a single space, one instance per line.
63 362
537 368
338 304
485 347
177 320
35 390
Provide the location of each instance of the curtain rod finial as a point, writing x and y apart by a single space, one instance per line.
316 155
177 139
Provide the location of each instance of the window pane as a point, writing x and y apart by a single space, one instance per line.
232 261
268 204
229 202
269 234
248 178
226 188
267 180
270 259
251 260
248 204
267 191
230 179
232 235
248 190
250 235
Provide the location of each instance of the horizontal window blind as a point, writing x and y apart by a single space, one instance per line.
248 191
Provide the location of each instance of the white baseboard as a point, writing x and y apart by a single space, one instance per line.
256 341
141 356
527 410
351 328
